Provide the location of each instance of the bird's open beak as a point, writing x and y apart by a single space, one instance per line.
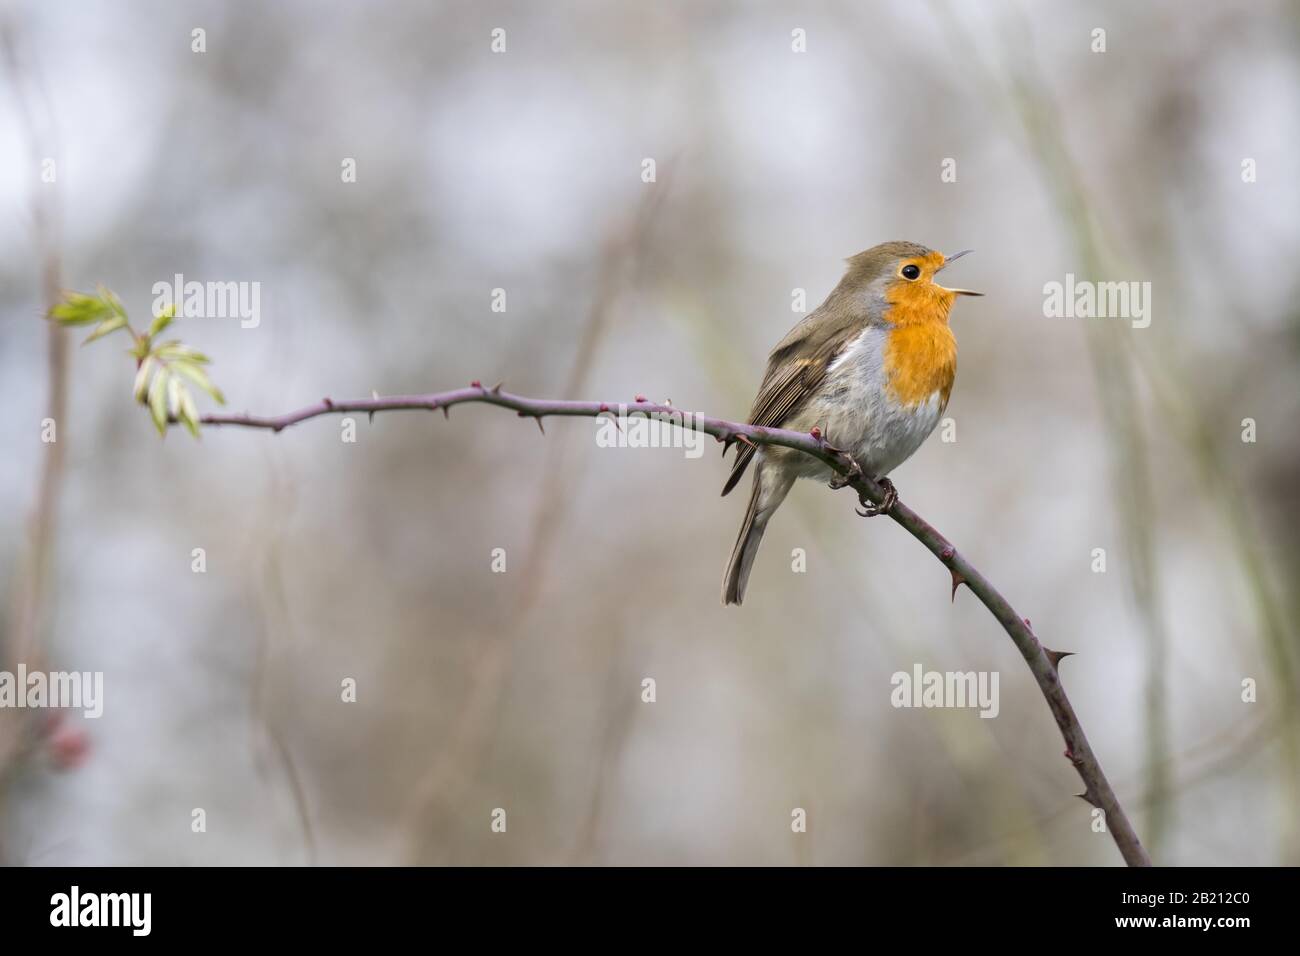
948 260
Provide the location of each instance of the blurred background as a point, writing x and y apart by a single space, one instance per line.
777 153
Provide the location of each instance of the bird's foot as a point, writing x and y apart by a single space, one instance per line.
839 481
870 509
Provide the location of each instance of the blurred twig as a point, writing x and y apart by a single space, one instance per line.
31 585
275 620
491 669
618 717
1042 661
1026 97
1114 359
1129 466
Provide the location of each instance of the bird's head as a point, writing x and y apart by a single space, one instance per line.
896 283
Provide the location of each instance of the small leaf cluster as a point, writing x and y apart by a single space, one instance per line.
165 370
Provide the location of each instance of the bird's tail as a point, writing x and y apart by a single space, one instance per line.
763 500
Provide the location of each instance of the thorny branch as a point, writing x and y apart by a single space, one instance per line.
1043 661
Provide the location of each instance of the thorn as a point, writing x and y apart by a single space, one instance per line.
1088 795
375 396
948 553
327 402
640 399
1056 657
744 440
446 411
538 419
957 581
816 433
668 402
496 389
604 407
476 384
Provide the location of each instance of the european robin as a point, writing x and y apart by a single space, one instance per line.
872 367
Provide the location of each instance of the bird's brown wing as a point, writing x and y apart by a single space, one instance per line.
790 379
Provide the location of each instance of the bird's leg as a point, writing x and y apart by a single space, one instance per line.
839 481
870 509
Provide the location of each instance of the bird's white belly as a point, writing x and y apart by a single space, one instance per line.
856 412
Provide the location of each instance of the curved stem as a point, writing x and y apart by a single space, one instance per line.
1042 661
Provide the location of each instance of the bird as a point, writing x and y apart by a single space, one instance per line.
872 368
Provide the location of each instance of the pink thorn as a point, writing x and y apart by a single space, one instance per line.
475 384
816 433
69 746
640 398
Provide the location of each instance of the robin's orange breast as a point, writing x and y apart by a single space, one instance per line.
920 354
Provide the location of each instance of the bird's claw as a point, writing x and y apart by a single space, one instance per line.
839 481
870 509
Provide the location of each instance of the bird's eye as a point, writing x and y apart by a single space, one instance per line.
911 272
